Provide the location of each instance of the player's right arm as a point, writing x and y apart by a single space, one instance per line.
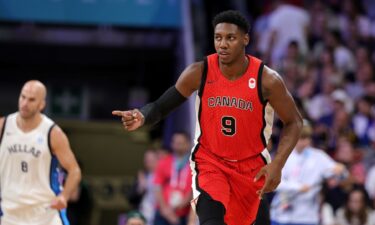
152 113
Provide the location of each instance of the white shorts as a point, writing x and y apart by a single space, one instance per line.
46 217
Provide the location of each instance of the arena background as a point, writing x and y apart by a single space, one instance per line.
99 55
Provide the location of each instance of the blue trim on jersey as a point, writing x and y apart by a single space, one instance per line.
55 184
54 176
54 169
64 217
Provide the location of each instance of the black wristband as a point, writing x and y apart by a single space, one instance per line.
165 104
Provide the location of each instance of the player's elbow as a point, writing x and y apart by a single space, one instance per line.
295 123
77 173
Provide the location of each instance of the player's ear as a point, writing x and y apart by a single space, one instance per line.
42 105
246 39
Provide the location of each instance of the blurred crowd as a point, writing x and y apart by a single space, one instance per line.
162 189
324 50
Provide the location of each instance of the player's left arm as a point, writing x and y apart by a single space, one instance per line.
61 149
276 93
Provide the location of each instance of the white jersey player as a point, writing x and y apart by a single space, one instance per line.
32 148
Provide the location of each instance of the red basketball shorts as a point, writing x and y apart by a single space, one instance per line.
229 182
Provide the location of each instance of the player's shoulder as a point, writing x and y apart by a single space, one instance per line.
270 76
57 138
271 82
56 128
56 132
196 67
190 78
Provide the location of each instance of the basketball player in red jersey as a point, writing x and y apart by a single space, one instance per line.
237 95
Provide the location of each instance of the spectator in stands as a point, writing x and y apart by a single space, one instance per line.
296 20
362 120
173 183
142 194
296 198
356 210
370 184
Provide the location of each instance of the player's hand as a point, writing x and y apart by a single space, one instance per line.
131 119
59 202
272 175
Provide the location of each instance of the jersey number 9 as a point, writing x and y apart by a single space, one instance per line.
228 124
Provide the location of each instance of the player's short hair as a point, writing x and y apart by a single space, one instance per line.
233 17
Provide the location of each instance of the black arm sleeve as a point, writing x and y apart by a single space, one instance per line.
165 104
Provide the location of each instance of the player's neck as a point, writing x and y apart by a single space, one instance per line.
28 124
236 69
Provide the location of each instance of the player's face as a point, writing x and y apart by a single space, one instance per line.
30 102
230 42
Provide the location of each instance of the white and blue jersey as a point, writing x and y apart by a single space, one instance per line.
29 175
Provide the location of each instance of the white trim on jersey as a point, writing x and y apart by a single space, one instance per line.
268 118
198 131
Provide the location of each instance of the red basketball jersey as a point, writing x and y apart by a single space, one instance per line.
234 122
